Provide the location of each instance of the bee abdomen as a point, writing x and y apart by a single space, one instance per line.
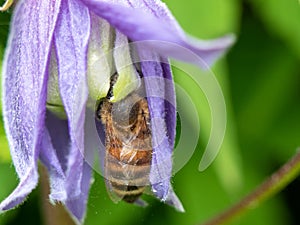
129 176
129 193
124 173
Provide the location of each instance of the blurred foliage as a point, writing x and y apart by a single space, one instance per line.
282 19
260 80
4 21
207 18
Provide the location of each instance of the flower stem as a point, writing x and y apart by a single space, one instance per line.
274 184
6 5
52 214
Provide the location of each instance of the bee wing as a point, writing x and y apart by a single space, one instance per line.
113 175
148 191
123 181
111 192
117 197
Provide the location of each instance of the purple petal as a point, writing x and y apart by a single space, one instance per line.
57 178
174 201
161 34
161 167
158 9
59 134
54 151
27 183
161 101
24 93
77 206
170 104
71 40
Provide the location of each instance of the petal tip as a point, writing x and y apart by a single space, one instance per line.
229 39
19 195
77 218
174 201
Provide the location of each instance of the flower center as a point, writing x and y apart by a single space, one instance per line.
109 53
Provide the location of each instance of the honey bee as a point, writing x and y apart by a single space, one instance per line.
128 146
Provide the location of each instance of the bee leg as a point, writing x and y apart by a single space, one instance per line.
140 202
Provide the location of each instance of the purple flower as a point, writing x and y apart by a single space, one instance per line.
52 64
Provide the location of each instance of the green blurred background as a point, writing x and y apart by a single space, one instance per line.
260 78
